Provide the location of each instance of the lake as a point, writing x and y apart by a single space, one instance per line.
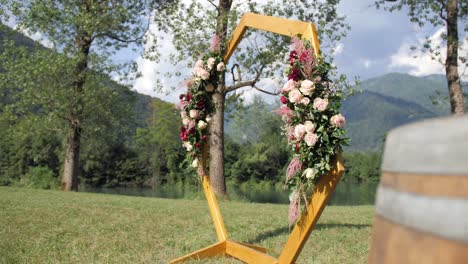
345 194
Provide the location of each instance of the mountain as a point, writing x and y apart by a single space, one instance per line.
421 90
371 115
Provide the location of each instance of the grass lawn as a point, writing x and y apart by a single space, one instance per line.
39 226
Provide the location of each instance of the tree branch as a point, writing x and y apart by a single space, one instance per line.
213 4
267 92
441 13
246 83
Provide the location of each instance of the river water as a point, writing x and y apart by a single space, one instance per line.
345 194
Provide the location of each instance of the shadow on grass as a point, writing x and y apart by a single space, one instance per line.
285 230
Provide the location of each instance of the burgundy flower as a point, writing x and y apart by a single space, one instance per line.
182 129
298 147
203 138
188 97
292 57
201 105
183 136
191 131
295 74
181 96
284 100
198 145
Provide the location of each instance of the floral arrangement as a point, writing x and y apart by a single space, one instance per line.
196 107
313 124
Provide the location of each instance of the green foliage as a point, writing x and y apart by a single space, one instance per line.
362 166
40 178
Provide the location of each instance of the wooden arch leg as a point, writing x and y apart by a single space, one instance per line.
306 223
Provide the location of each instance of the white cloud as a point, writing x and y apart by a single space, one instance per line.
422 63
367 63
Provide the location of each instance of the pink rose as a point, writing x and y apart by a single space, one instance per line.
299 131
288 86
309 126
311 139
305 101
198 64
202 73
220 67
183 114
320 104
193 113
185 121
307 87
211 62
337 120
295 96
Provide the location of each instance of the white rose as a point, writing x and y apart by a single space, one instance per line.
309 126
188 146
307 87
208 119
220 67
311 139
202 124
185 121
193 113
195 163
211 62
309 173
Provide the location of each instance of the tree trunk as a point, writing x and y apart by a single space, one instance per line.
216 139
217 146
451 63
71 168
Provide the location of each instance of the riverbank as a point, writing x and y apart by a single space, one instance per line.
39 226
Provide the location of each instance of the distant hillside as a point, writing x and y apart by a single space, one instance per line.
371 115
420 90
142 102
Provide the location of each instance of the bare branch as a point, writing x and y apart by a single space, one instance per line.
441 12
246 83
267 92
213 4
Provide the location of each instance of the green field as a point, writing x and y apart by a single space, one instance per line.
39 226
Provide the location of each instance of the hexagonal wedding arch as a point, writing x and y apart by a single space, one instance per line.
322 192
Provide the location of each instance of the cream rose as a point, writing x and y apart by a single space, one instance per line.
288 86
307 87
299 131
295 96
210 63
198 64
220 67
202 124
310 139
185 121
309 173
193 113
309 126
195 163
305 101
320 104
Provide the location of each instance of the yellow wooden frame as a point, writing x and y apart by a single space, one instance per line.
327 184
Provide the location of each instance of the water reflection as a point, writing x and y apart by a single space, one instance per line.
345 194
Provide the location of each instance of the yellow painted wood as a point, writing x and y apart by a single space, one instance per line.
214 209
258 248
306 223
276 25
214 250
247 254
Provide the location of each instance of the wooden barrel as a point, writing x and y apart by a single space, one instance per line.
422 200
